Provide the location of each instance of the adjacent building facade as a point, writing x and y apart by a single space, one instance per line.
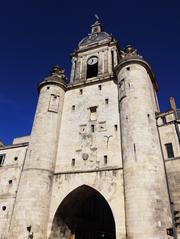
102 161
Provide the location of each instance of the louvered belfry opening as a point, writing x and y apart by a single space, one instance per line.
84 214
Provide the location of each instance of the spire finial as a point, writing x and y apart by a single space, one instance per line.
96 16
96 27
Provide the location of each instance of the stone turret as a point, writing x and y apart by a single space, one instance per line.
33 198
146 197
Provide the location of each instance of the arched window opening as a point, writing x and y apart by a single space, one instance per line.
83 214
92 67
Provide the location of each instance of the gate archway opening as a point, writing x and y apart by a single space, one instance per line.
83 214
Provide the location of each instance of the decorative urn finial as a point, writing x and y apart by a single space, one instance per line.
56 76
58 71
129 51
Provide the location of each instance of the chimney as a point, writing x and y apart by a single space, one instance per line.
172 103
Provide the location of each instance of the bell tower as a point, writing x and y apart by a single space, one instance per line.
95 57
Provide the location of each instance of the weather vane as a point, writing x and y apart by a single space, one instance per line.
96 16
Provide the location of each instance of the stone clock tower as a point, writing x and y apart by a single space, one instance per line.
94 165
96 56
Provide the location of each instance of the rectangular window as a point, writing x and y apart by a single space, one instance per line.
92 128
93 109
2 158
73 162
169 149
105 159
100 87
93 112
54 103
107 101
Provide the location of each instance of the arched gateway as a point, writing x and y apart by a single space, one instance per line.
83 214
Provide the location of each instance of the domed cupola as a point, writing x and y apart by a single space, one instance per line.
96 37
96 56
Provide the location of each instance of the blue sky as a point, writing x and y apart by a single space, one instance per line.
37 34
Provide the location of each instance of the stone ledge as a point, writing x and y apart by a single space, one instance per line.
14 146
5 196
15 165
171 159
88 171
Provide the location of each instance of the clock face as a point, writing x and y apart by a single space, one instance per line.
92 60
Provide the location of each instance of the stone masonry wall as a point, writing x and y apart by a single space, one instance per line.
10 173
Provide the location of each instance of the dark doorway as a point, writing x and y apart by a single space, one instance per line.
83 214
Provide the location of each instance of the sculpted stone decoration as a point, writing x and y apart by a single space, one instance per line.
56 76
57 71
86 139
129 51
54 103
87 145
85 156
